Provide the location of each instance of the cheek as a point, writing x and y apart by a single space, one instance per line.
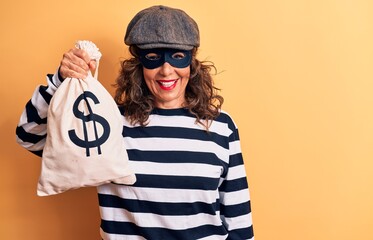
146 74
184 73
149 77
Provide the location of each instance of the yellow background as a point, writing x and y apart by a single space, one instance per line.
297 78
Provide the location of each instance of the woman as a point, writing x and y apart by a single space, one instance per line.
191 181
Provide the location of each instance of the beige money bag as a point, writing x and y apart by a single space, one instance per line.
84 145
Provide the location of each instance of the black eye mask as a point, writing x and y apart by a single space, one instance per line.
156 57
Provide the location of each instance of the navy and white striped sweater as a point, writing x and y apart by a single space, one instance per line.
191 184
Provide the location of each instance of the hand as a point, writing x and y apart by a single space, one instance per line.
75 64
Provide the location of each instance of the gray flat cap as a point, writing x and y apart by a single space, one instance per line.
162 27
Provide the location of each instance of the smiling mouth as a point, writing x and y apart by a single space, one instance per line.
167 84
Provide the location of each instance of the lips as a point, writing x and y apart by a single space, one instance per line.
167 84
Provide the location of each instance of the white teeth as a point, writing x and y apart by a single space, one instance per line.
167 84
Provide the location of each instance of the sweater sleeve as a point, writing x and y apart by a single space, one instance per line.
235 206
31 130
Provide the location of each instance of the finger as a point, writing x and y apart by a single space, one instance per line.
73 64
92 65
68 73
82 55
78 57
67 67
70 69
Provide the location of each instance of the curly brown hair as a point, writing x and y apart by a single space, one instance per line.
202 99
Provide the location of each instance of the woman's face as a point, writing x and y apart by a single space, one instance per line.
166 82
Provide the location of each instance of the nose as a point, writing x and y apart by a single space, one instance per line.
166 69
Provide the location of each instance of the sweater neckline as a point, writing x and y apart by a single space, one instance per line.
172 111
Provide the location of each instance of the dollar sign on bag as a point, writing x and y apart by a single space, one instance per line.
85 143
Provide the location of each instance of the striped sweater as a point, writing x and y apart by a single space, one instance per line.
191 184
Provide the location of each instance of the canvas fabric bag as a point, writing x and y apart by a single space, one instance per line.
84 145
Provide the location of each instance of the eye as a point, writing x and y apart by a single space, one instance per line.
178 55
152 56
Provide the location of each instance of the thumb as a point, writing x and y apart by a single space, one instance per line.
92 65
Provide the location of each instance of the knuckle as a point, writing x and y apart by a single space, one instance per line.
63 62
85 56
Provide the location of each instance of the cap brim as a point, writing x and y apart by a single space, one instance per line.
165 45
